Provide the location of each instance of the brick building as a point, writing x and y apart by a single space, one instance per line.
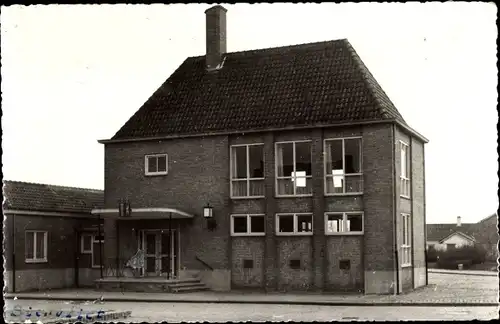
50 237
313 178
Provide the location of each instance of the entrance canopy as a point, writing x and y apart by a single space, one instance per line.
144 213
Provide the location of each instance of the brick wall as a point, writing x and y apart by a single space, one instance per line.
247 248
59 270
198 173
418 212
295 248
344 248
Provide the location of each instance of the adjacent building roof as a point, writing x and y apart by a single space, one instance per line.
467 237
316 84
50 198
437 232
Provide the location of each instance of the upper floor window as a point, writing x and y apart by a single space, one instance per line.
247 170
36 246
293 168
156 164
343 166
406 242
294 224
344 223
405 170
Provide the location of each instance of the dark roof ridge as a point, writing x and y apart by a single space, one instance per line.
279 49
57 186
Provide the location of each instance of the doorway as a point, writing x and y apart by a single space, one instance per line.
161 252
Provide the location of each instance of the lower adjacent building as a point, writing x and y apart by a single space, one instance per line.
51 239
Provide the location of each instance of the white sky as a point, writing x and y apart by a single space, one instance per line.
75 74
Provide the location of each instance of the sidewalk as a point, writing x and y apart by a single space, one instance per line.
426 296
466 272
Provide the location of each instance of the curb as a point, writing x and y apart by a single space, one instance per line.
269 302
466 274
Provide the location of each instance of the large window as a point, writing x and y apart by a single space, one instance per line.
247 225
156 164
294 224
247 170
343 166
92 244
293 169
36 246
405 170
406 241
344 223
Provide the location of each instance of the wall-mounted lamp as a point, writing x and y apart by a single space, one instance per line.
208 211
209 216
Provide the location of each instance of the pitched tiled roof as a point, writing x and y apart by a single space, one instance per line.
437 232
50 198
316 84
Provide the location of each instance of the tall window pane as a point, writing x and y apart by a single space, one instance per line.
256 161
239 162
352 157
334 161
303 157
285 159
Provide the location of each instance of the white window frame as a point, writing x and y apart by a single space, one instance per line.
405 169
146 164
247 179
294 172
406 257
82 240
344 222
328 177
34 259
248 217
295 225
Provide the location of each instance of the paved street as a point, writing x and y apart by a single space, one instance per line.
444 288
177 312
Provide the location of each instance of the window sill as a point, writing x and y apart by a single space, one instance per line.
406 265
344 233
294 234
247 197
36 261
343 194
293 196
86 252
247 234
155 174
405 197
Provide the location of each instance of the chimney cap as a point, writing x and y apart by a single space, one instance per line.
215 8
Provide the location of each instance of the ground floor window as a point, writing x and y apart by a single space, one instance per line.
294 224
36 246
344 223
92 244
246 225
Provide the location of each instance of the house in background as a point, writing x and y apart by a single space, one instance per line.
483 233
447 236
50 237
285 168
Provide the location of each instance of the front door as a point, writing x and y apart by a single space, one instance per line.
161 251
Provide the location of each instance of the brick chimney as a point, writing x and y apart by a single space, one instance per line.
216 36
459 221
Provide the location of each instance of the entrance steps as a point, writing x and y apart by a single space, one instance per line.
150 284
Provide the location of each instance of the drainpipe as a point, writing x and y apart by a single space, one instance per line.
13 246
100 244
394 224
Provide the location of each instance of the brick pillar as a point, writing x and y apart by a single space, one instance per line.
318 239
270 257
109 250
